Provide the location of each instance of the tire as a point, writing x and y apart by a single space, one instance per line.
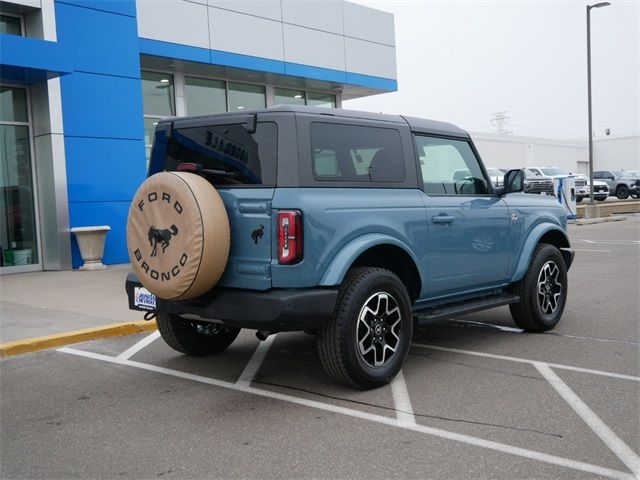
578 199
622 192
539 312
601 199
194 338
346 344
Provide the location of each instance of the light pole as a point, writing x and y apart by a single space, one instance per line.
589 7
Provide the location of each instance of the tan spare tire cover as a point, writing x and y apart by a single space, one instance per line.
177 235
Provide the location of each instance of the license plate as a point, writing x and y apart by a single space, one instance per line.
144 299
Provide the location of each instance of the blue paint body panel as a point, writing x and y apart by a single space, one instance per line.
340 223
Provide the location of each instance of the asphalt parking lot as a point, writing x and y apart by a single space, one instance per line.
477 398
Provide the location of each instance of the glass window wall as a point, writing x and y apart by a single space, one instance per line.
244 96
205 96
158 101
321 100
10 25
18 234
285 96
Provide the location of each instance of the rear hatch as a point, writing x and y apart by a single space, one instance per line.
238 156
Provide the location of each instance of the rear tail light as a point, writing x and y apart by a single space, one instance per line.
290 241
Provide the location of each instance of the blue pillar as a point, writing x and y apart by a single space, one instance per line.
103 116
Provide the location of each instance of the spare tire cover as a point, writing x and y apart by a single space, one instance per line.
177 235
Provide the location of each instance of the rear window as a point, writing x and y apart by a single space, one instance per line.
347 153
239 158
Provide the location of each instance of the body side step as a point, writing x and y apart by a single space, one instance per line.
468 306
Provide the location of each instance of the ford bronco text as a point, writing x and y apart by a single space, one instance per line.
348 225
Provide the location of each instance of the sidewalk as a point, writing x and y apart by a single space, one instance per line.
45 303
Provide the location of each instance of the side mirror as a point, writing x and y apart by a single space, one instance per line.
513 182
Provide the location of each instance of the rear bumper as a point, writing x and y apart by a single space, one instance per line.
276 310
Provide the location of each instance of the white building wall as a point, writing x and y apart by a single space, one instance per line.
512 151
331 34
617 153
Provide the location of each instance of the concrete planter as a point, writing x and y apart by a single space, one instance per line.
91 243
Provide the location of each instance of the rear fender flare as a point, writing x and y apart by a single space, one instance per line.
342 261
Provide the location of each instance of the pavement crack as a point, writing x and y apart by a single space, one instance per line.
415 414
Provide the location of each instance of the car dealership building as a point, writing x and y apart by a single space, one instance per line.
83 83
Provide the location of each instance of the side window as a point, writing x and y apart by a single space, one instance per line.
597 175
348 153
449 167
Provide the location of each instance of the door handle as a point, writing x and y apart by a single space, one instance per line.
442 219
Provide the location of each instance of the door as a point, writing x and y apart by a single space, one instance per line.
469 226
18 215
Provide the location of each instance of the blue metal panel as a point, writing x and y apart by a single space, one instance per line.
101 169
102 114
247 61
113 214
373 82
101 42
122 7
29 60
216 57
102 106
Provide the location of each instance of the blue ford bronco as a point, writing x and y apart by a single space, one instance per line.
347 225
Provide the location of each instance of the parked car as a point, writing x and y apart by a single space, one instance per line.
621 183
583 189
349 226
534 183
496 176
634 192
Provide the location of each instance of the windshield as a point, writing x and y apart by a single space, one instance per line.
494 172
530 174
553 171
619 173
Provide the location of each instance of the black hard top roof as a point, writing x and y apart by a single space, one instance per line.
419 125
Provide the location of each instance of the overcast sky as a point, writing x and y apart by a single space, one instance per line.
460 61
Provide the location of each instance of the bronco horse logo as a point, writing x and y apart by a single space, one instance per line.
162 237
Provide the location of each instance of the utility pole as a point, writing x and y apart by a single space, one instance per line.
499 120
589 7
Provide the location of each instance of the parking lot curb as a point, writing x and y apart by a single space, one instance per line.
591 221
28 345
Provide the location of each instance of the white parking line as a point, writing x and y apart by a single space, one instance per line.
525 360
131 351
617 446
436 432
613 242
590 250
404 410
250 371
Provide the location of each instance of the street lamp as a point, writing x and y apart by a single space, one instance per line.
589 7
